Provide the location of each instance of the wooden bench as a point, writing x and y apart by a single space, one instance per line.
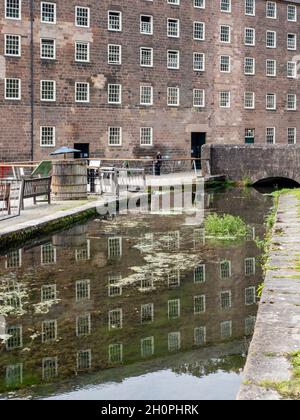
35 187
5 197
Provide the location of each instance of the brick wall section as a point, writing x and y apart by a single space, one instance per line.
255 162
172 127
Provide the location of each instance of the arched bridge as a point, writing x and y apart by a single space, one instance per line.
253 162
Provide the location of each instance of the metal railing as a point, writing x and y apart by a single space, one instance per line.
116 180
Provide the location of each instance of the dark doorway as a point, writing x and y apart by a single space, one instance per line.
198 140
85 150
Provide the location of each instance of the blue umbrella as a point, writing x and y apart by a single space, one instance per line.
64 151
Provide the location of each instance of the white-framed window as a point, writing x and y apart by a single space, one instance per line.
82 16
174 279
147 313
291 41
173 59
200 336
174 341
271 66
146 57
146 136
48 12
82 51
271 37
114 285
84 359
173 96
199 4
13 259
225 99
114 139
249 37
291 69
115 353
199 31
174 308
199 61
12 45
225 64
146 24
225 269
250 7
271 10
13 9
291 102
292 135
114 21
82 290
115 319
225 300
270 135
173 28
82 92
48 292
114 54
226 329
225 6
199 304
250 296
49 367
48 90
249 100
271 101
146 95
199 274
49 331
13 89
47 136
48 254
115 247
249 66
198 98
291 13
48 49
15 341
225 34
147 347
250 266
114 94
83 325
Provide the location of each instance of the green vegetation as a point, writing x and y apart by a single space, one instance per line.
291 388
260 289
225 227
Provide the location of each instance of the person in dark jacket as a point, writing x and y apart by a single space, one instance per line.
158 164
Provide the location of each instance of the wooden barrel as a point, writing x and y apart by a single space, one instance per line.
69 180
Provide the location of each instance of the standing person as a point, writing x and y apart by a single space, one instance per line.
158 164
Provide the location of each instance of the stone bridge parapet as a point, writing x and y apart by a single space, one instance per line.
253 162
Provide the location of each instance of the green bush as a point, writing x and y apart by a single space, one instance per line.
225 226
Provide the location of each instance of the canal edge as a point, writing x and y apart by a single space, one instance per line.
274 350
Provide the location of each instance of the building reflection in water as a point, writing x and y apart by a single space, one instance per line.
120 291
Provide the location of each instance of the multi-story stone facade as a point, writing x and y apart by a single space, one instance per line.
128 78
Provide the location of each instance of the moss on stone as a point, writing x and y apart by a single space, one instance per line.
288 389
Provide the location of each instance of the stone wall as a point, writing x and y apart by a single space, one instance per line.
253 162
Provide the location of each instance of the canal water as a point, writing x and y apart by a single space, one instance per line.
139 306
